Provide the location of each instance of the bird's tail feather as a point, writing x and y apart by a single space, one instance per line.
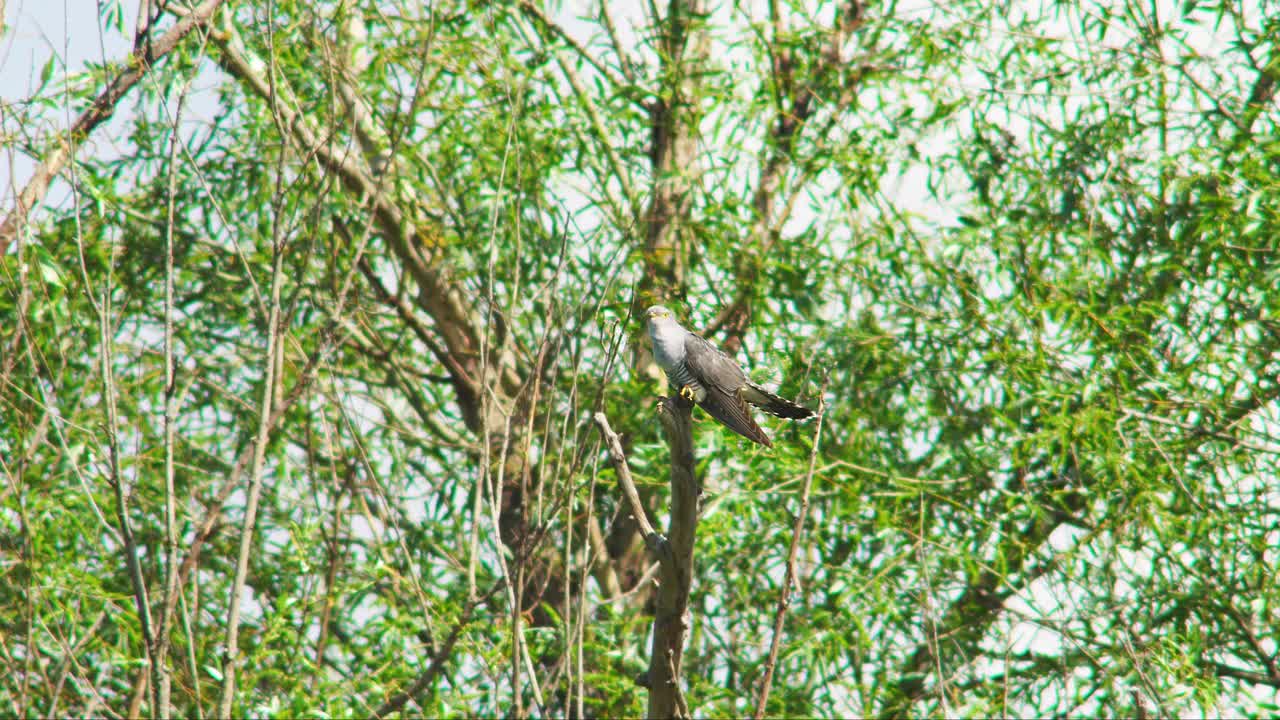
774 404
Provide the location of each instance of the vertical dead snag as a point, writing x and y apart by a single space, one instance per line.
675 553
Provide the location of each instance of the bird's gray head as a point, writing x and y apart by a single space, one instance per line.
666 335
657 311
659 316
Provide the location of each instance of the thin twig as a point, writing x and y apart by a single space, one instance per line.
170 423
577 640
784 601
624 59
192 665
397 702
274 343
788 123
624 474
130 546
532 11
604 141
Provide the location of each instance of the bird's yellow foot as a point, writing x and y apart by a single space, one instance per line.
686 392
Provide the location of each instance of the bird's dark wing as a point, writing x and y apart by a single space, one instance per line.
734 414
712 367
723 382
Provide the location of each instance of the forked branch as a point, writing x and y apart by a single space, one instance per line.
675 552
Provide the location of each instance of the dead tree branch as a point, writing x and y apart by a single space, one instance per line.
619 459
671 617
675 553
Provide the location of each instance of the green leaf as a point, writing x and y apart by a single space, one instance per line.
46 72
46 266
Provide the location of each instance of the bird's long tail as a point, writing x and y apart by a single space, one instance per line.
774 404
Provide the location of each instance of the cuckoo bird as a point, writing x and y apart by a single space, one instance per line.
712 379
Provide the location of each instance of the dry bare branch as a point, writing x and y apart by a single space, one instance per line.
671 614
270 364
784 600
